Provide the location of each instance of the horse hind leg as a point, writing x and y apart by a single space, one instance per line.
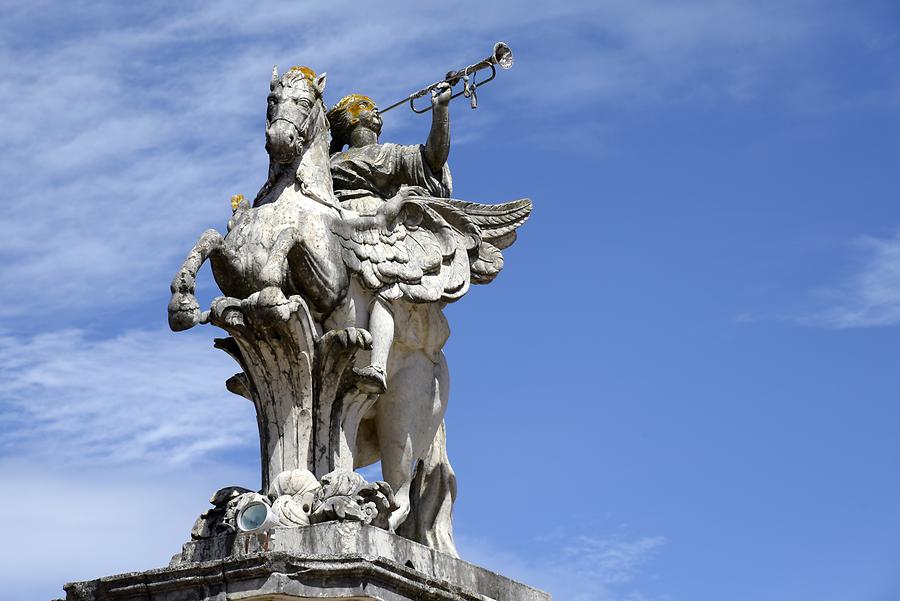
432 491
431 497
408 417
184 310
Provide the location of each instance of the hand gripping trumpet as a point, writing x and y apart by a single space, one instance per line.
502 55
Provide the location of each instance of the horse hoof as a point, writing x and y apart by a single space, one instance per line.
272 303
184 312
370 379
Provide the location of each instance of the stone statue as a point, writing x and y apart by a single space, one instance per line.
334 282
367 175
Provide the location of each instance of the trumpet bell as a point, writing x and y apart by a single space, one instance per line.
503 55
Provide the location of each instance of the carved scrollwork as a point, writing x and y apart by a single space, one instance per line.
294 493
297 498
347 496
221 518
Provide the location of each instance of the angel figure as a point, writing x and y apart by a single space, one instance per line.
367 175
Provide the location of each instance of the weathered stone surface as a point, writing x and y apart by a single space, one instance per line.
325 561
298 498
334 285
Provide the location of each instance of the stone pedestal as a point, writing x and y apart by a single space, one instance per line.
349 561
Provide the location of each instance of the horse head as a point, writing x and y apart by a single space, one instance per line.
296 113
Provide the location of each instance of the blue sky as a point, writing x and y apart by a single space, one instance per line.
683 387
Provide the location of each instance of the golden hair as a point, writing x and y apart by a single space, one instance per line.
344 116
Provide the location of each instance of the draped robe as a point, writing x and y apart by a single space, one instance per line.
365 177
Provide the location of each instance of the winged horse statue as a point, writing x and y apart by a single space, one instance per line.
296 250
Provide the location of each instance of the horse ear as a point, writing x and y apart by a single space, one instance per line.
320 83
274 77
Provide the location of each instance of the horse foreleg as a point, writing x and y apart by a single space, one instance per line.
274 271
271 301
316 267
184 310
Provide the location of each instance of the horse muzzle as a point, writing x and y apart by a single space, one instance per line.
283 141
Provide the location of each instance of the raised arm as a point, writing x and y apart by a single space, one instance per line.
437 148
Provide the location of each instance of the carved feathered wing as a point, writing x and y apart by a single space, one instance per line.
497 224
426 249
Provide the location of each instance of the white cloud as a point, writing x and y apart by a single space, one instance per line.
108 450
115 519
574 567
137 397
871 296
60 526
126 131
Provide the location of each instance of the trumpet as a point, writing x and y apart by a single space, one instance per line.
501 55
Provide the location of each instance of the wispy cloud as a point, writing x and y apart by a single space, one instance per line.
575 567
125 129
89 523
871 296
137 397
